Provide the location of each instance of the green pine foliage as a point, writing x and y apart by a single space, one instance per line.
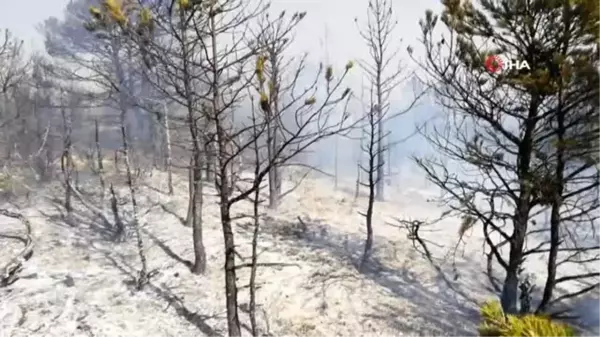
496 323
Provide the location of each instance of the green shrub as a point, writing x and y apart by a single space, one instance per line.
495 323
5 182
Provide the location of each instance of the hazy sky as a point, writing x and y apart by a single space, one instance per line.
336 17
21 17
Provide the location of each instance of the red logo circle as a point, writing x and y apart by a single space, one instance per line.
493 63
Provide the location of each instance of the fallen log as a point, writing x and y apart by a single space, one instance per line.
10 272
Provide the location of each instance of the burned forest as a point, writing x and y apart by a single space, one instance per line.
299 168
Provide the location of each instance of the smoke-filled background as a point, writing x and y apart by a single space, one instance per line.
329 34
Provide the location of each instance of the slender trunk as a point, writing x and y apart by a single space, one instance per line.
143 274
208 165
210 154
119 230
369 225
555 218
252 283
195 203
100 164
158 146
190 209
271 175
233 321
67 160
553 252
372 171
116 160
276 168
169 156
199 266
272 130
252 308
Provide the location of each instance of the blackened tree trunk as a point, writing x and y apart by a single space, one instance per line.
199 266
555 216
66 158
100 164
169 154
190 209
273 128
195 203
373 178
510 295
233 320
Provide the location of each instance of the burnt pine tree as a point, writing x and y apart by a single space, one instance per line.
185 84
384 73
509 129
82 43
273 37
108 23
369 145
169 38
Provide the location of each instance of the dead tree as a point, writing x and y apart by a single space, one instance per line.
224 138
10 272
311 127
13 73
273 37
24 115
163 132
383 79
197 152
169 159
99 162
371 148
175 61
378 35
189 218
108 22
256 221
66 160
143 273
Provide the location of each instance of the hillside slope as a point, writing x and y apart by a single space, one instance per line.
78 283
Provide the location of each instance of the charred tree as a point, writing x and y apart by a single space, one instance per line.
66 160
378 35
371 149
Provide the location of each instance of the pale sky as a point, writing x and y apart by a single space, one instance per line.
22 17
335 16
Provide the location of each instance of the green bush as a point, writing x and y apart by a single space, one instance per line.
5 182
495 323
